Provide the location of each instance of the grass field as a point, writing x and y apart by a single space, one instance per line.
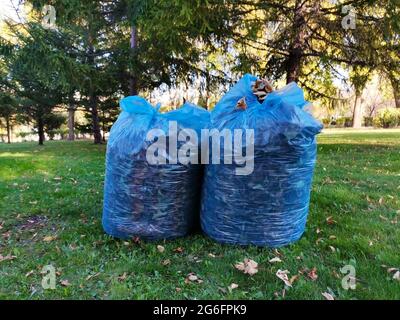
50 213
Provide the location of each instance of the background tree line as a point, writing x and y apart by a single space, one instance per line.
100 51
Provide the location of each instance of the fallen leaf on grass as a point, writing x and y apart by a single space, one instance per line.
91 276
160 249
166 262
178 250
396 276
293 278
248 266
28 274
178 289
192 277
49 238
211 255
276 259
283 275
7 257
330 220
65 283
328 296
312 274
122 277
233 286
381 200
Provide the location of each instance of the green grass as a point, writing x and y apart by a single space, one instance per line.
56 191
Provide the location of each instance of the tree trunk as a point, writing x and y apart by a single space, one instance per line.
95 118
358 112
71 123
396 93
40 125
293 62
92 95
133 90
8 125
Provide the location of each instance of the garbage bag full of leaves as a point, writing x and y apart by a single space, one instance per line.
143 199
269 205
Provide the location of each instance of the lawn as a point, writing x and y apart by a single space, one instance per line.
50 213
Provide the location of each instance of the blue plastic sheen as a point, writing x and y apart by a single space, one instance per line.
268 207
144 200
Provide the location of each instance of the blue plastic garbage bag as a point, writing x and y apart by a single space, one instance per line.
147 200
269 206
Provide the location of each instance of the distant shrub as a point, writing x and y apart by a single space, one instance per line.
387 118
326 122
348 122
340 122
368 121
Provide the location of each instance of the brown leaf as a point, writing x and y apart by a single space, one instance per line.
178 289
328 296
293 278
166 262
122 277
329 220
160 249
7 257
192 277
248 266
178 250
283 275
49 238
381 200
65 283
312 274
28 274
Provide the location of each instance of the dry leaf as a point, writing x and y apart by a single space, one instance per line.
396 276
122 277
65 283
333 249
312 274
233 286
192 277
330 220
160 249
91 276
178 250
293 278
178 289
276 259
332 237
248 266
28 274
328 296
166 262
49 238
381 200
283 275
211 255
7 257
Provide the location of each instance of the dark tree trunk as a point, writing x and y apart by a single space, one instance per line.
133 86
357 113
92 95
396 94
40 125
8 125
293 62
71 123
95 118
